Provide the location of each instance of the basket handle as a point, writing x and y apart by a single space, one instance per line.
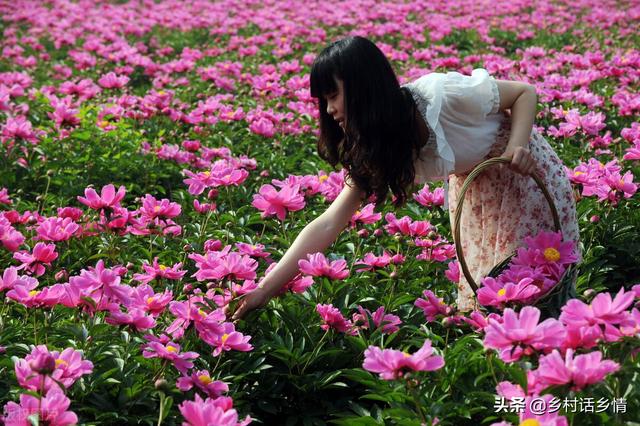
458 213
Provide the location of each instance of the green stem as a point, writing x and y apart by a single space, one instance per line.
161 413
414 393
315 352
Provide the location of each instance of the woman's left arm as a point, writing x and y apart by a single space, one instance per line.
521 99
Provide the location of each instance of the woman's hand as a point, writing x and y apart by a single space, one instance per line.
521 160
253 300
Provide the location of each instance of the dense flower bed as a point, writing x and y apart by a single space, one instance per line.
158 158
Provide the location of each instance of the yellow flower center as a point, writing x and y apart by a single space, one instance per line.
172 349
204 379
551 254
358 212
162 92
502 292
578 173
207 173
156 209
104 123
149 300
442 302
225 336
33 293
202 313
323 178
530 422
162 267
406 355
60 362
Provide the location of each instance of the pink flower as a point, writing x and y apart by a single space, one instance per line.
171 352
223 265
57 229
263 126
152 208
203 381
226 339
10 238
392 364
388 322
18 128
372 261
495 292
433 306
24 293
134 317
580 371
318 266
453 272
113 81
428 198
68 368
602 310
51 410
108 197
365 215
332 318
4 197
10 278
144 298
550 249
43 254
520 334
156 270
210 412
273 202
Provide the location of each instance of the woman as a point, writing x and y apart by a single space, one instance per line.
440 126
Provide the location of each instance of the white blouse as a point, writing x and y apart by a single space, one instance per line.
462 113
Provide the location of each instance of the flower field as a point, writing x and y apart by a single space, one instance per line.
157 158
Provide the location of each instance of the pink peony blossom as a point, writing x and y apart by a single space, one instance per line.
152 208
579 372
156 270
273 202
108 197
520 334
392 364
57 229
387 322
318 266
51 410
432 306
225 339
202 380
35 262
113 81
496 292
170 351
209 412
68 367
332 318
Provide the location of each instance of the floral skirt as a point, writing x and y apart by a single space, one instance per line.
502 207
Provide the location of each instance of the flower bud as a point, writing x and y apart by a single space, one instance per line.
187 288
377 233
589 292
594 219
363 233
62 274
43 363
162 385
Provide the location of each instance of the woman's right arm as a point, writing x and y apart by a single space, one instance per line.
315 237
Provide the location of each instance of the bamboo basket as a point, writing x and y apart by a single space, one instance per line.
551 302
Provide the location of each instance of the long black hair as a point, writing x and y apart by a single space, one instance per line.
380 139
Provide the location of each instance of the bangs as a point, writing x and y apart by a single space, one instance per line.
322 81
